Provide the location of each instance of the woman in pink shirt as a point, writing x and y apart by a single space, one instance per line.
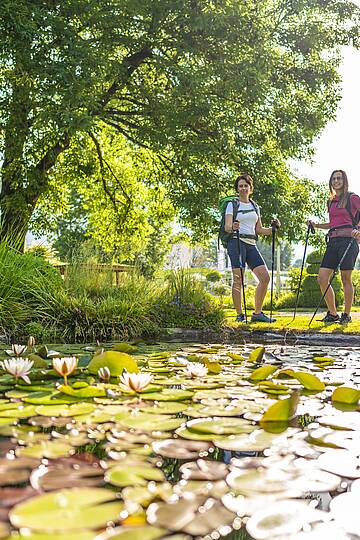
344 215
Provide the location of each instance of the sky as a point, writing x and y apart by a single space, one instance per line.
338 146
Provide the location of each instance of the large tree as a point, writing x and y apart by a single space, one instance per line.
205 87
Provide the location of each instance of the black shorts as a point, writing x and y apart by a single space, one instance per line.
335 250
249 254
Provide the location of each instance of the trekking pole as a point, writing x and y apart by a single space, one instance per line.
241 273
273 233
310 229
332 277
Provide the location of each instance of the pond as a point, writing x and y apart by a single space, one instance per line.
206 441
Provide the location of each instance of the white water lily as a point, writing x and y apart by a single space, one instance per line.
136 382
104 374
18 367
18 350
65 366
196 370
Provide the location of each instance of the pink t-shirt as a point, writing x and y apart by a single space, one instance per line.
340 216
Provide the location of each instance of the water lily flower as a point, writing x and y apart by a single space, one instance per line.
196 370
31 342
18 350
65 366
136 382
104 374
18 367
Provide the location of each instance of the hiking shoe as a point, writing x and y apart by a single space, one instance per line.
240 317
261 317
345 318
329 318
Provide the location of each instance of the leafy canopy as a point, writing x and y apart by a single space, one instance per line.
196 90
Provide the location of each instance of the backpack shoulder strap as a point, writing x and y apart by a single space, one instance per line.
235 203
256 206
348 208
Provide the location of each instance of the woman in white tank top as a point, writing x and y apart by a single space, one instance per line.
248 223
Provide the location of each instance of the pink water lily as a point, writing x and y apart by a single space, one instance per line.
31 342
18 367
18 350
136 382
65 366
104 374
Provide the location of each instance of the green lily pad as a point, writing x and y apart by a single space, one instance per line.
46 449
220 426
346 395
168 394
79 535
169 407
131 533
127 475
256 355
124 347
282 410
64 410
151 422
67 510
85 392
39 361
309 381
262 373
115 361
20 411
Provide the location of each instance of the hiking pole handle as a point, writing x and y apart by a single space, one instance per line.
311 227
275 224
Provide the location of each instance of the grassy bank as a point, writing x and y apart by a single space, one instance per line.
300 324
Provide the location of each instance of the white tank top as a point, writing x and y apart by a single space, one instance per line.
247 218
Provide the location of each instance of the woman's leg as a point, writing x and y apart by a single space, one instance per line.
262 274
323 281
237 290
348 290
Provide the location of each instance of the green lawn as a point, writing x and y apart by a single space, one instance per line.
300 324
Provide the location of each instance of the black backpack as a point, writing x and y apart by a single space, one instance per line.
224 236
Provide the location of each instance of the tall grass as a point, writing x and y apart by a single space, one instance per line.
20 278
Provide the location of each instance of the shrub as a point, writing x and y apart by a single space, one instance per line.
213 276
286 301
185 304
293 278
356 282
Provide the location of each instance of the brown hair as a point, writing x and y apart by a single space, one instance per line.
247 179
343 196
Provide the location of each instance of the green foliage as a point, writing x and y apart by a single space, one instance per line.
310 293
21 278
185 304
293 278
356 282
150 102
213 276
87 306
286 253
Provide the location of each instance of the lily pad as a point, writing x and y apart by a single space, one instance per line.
256 355
115 361
282 410
130 533
67 510
346 395
127 475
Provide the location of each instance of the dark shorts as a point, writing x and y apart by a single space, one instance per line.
335 250
249 254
